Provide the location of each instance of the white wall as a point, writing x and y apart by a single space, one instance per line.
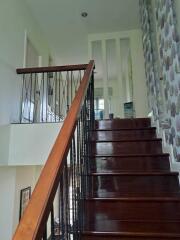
7 188
4 144
15 18
26 176
28 148
12 180
27 144
72 49
138 74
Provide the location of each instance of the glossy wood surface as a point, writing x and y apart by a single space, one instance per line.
132 193
51 69
32 223
126 147
125 184
123 124
130 163
124 134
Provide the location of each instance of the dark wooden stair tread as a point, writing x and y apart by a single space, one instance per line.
121 134
137 227
123 123
147 229
132 155
125 195
128 140
133 195
132 209
136 199
127 147
127 173
124 129
130 163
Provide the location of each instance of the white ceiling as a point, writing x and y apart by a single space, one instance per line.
61 19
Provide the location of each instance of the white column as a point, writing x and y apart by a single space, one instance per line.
120 84
105 80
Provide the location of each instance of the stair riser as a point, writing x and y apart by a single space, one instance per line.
126 238
119 210
123 135
135 184
133 227
110 148
110 164
123 123
131 195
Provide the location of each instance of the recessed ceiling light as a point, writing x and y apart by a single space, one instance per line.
84 14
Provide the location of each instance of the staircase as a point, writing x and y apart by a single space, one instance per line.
133 194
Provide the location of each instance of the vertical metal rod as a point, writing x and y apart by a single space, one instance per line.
34 109
55 96
48 85
66 199
52 224
30 101
22 98
71 85
62 223
67 91
45 233
59 101
42 99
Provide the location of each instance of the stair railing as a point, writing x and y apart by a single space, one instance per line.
64 176
47 92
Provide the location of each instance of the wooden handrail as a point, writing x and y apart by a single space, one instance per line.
36 214
51 69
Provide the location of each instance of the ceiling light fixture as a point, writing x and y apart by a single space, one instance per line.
84 14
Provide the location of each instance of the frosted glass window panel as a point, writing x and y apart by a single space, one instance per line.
126 69
101 104
111 59
97 56
112 76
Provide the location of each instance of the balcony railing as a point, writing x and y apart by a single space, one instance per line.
47 92
63 181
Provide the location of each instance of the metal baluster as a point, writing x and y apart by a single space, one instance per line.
59 101
34 109
30 97
62 222
45 233
79 214
22 98
52 224
67 91
59 209
47 94
66 200
75 183
55 96
71 82
74 192
42 99
71 185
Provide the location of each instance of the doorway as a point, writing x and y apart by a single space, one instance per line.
113 73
